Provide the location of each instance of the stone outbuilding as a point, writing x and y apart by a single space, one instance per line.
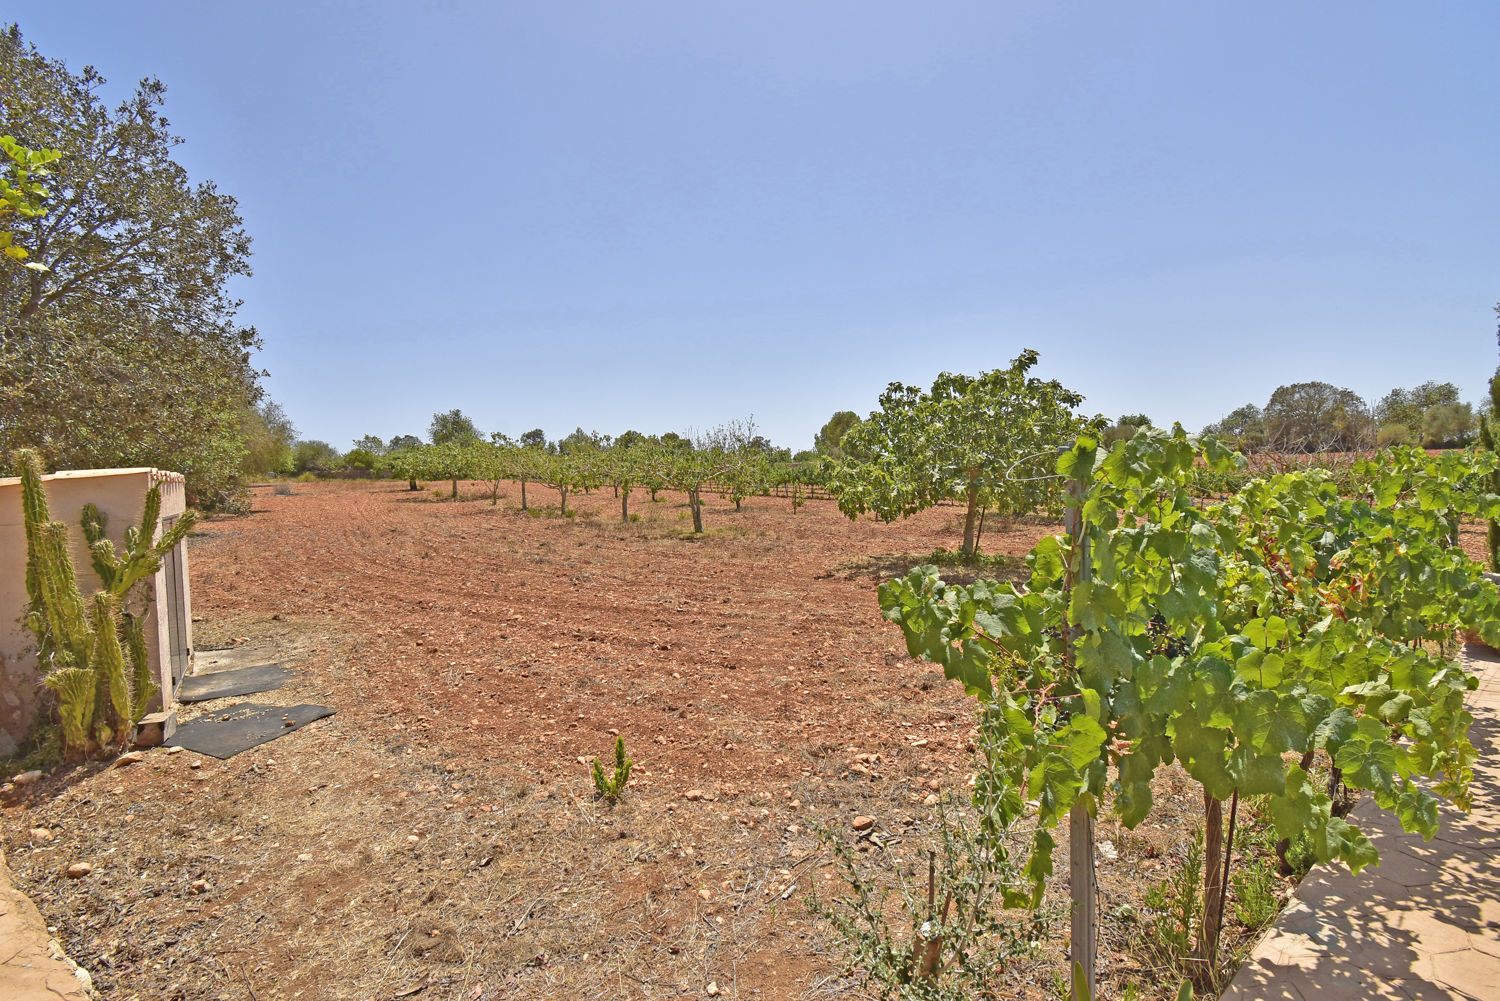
121 495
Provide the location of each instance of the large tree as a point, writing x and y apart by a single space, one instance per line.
983 441
1317 417
118 343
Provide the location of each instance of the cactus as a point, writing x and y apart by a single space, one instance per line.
93 658
612 787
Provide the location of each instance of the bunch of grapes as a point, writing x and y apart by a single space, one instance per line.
1163 642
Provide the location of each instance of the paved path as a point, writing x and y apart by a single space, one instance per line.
31 968
1424 924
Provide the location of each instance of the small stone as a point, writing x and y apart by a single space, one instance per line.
712 990
78 870
305 857
413 838
199 886
26 778
693 795
931 799
42 836
195 765
130 758
705 894
174 749
863 823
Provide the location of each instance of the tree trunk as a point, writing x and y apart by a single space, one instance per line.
737 505
495 495
1213 885
563 493
624 505
616 487
523 495
412 485
969 519
697 507
455 490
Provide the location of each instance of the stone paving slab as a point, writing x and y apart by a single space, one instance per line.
1424 924
32 967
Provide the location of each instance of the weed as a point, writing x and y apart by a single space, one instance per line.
308 478
1256 902
1172 906
957 945
283 489
612 787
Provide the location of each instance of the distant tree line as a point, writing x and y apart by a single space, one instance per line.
1309 417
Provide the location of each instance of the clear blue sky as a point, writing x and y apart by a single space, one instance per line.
666 215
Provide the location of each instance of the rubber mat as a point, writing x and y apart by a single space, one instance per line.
239 728
239 681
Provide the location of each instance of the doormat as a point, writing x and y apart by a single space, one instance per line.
241 727
239 681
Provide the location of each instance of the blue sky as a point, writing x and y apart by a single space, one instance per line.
668 215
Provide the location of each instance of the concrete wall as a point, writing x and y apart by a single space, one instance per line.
121 495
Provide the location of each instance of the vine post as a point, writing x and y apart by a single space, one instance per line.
1081 885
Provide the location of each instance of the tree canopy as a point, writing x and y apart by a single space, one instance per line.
984 441
118 343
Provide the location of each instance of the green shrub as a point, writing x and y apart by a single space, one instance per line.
612 786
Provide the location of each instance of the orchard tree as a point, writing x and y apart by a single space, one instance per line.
535 438
982 441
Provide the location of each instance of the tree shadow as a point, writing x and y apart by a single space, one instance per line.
952 568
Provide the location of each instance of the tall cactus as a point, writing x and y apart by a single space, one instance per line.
83 649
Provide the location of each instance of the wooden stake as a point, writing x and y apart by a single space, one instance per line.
1081 879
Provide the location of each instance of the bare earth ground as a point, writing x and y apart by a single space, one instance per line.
438 838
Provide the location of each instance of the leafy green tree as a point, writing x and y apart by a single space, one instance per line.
127 315
401 441
1243 428
358 458
1447 425
1317 417
1407 406
314 456
370 443
826 441
269 436
535 438
452 426
1125 427
979 440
